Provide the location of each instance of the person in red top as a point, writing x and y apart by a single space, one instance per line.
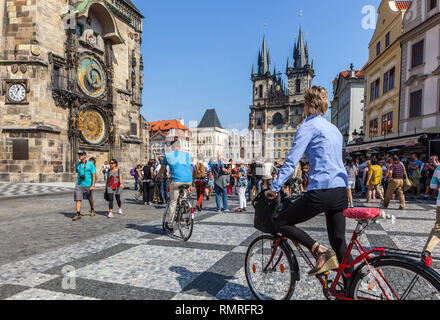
200 178
114 186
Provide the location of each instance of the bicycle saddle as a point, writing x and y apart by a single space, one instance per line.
185 186
361 213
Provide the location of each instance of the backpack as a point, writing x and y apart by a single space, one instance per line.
133 172
200 171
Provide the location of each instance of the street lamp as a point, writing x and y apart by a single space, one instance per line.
346 136
355 133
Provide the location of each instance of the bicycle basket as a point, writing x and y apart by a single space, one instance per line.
266 213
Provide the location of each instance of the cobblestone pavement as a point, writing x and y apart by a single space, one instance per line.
20 190
129 257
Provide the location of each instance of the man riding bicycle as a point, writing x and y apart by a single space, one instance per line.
179 163
321 142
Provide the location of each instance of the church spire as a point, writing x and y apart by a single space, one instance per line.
264 59
300 51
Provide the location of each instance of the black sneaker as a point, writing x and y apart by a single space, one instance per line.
168 228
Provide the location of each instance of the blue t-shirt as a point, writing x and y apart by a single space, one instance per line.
413 163
180 166
85 170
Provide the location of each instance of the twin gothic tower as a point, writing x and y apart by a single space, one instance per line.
270 93
276 108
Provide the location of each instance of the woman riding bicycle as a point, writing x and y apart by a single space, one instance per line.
321 142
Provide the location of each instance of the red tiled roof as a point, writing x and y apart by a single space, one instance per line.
165 125
358 73
402 5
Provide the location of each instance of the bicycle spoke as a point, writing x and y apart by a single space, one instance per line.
395 280
410 287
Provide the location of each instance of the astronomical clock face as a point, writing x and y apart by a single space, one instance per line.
91 77
92 126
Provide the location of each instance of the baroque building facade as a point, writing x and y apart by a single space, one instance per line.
382 73
277 110
71 77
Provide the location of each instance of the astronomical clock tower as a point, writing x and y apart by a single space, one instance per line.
71 75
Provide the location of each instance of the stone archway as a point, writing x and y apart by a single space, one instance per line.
107 21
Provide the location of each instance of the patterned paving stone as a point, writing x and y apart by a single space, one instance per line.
139 261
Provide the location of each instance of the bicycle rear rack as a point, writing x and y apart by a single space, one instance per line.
407 253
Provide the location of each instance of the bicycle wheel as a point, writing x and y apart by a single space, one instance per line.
185 220
394 279
277 282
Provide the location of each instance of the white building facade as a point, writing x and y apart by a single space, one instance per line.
348 103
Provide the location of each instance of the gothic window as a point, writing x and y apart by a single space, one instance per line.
261 91
277 119
133 129
298 86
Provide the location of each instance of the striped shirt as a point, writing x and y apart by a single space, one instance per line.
398 171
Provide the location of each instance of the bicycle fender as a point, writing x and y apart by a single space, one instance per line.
403 259
294 260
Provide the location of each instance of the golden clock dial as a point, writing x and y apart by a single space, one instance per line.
92 126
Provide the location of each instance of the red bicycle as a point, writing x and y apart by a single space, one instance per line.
272 269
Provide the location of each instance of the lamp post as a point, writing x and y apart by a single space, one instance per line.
346 136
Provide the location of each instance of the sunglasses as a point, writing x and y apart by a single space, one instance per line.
112 163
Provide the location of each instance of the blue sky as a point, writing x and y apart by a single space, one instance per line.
198 54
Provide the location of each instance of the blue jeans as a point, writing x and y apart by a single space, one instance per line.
163 191
136 177
221 194
251 187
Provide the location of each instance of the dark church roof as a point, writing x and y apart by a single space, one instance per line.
210 120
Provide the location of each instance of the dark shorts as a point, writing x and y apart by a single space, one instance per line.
82 193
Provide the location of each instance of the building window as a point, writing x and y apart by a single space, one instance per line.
386 81
389 80
415 107
298 86
417 54
56 77
392 78
432 4
20 149
374 90
378 48
261 91
387 39
133 129
373 128
387 123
